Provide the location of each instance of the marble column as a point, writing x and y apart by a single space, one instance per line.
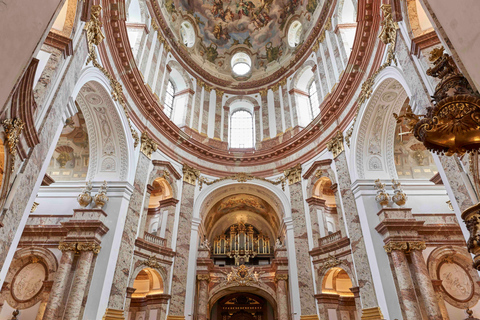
124 261
196 106
358 303
206 109
59 284
256 111
437 286
282 302
82 272
202 302
406 289
169 206
293 103
357 244
304 265
218 114
166 78
265 122
286 108
180 267
226 120
47 288
423 281
189 108
314 204
278 110
453 173
143 221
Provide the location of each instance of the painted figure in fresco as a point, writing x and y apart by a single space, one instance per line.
260 19
217 8
244 8
289 10
220 32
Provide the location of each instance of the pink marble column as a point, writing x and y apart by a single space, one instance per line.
59 284
408 299
265 122
75 298
304 269
425 285
47 288
226 122
143 222
206 109
286 108
202 296
122 269
180 267
293 103
278 110
196 106
437 286
282 301
256 110
218 114
189 107
314 204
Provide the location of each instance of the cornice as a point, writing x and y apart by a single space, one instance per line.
334 105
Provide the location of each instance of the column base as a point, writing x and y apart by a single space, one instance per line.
372 314
113 314
175 317
312 317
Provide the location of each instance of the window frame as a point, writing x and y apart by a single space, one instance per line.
231 128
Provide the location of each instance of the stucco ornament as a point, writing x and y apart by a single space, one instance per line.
399 197
242 276
85 198
101 197
382 196
13 128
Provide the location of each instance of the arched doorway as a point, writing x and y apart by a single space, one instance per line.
147 300
242 306
337 301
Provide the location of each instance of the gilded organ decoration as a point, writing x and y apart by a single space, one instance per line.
241 242
242 276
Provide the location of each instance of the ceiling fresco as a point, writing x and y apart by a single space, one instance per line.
256 27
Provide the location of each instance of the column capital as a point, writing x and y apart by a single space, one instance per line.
190 175
89 246
130 291
395 246
294 174
203 277
335 145
148 146
67 246
281 276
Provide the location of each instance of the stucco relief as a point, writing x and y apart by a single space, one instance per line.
108 140
28 281
455 281
376 137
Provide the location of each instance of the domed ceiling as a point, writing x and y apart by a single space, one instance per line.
223 28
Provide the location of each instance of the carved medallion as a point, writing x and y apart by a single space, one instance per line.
28 282
456 282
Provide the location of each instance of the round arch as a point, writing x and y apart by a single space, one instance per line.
162 272
373 156
109 159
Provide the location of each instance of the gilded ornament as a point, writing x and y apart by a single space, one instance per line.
242 276
13 128
203 277
153 263
396 245
85 198
382 196
101 197
190 175
293 175
335 146
93 29
147 146
281 277
34 207
89 246
331 262
471 216
67 246
416 245
399 197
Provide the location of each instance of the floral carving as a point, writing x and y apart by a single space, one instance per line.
13 128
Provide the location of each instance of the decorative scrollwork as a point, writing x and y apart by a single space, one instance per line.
93 29
13 128
241 177
89 246
388 36
153 263
242 276
331 262
335 146
190 175
148 146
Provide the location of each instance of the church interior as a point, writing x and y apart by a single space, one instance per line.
239 160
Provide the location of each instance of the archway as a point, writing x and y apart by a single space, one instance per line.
242 306
328 208
337 301
147 298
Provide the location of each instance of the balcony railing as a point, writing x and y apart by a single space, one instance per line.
329 239
154 239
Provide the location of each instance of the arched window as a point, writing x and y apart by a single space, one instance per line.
241 129
313 98
169 97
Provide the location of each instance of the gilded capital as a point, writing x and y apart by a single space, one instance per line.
89 246
190 175
203 277
283 277
148 146
416 245
67 246
294 174
335 146
396 245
